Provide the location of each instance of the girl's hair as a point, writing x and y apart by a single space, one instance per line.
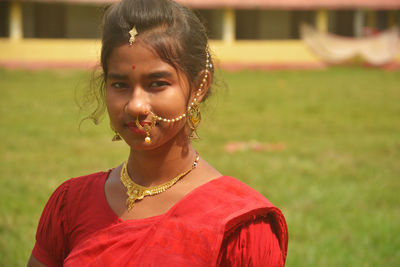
173 31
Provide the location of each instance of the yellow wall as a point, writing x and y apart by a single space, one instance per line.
88 51
263 52
73 50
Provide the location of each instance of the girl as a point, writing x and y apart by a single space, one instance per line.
164 206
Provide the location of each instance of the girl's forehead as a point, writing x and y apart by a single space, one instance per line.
137 52
138 56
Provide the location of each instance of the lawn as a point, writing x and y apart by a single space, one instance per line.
331 163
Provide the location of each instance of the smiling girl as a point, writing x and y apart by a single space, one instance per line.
164 206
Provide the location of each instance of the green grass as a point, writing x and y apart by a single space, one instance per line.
337 181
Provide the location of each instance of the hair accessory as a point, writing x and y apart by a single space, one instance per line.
137 192
133 32
193 111
147 127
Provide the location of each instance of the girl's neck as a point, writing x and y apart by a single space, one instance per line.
157 166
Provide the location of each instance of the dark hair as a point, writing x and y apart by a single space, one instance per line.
173 31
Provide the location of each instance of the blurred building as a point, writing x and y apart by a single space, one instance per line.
252 33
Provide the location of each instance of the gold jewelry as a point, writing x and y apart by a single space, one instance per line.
116 137
147 127
195 102
192 115
137 192
133 32
194 119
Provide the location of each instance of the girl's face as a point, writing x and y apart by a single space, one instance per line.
138 83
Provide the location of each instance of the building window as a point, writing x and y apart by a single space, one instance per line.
299 17
341 22
4 7
45 20
212 19
49 20
271 24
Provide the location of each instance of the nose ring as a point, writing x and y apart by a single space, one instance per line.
146 127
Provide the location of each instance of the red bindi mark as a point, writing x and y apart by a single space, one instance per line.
133 67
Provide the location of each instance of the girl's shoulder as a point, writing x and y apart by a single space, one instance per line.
87 180
226 200
228 190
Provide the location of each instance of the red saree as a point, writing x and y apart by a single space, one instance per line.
221 223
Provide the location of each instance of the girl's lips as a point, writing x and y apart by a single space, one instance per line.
133 128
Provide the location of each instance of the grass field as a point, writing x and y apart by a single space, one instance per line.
336 176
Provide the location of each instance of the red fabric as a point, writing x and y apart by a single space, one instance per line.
223 222
253 244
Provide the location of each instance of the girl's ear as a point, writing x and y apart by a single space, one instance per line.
202 86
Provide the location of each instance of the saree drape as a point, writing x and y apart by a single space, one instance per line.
221 223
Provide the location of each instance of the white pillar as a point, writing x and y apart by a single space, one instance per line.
358 23
322 20
15 20
229 26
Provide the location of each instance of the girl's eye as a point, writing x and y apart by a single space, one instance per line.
159 84
119 85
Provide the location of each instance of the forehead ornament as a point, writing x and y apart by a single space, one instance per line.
133 32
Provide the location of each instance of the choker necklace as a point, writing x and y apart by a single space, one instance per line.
138 192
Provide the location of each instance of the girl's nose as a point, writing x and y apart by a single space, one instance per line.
138 103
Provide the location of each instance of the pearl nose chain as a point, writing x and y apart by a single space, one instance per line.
154 118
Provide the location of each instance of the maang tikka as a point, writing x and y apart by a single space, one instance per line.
133 32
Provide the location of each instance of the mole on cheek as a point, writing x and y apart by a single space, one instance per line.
133 67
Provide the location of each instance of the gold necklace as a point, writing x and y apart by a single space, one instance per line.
138 192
